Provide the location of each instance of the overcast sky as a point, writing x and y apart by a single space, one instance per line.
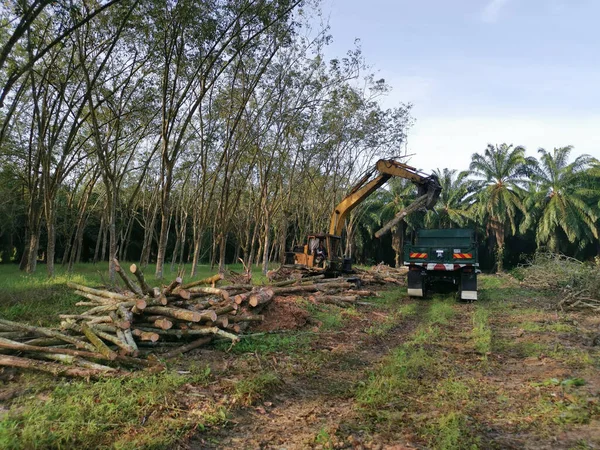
524 72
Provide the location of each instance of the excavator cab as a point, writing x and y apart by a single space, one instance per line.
321 252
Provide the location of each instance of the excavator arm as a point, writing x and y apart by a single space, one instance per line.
387 168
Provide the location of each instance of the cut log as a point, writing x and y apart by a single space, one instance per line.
226 309
12 345
241 298
294 289
261 297
210 280
50 333
208 315
256 318
177 313
98 292
137 272
172 286
130 284
235 328
101 346
186 348
148 335
128 349
297 281
196 331
53 368
221 322
419 203
107 308
95 298
44 342
237 287
210 290
128 339
73 360
334 285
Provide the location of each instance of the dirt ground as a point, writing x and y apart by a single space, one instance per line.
535 386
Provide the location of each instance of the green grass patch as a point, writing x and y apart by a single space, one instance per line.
249 389
388 385
450 431
140 412
394 318
556 327
389 298
441 311
270 343
481 334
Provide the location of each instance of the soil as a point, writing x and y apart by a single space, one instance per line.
314 406
283 313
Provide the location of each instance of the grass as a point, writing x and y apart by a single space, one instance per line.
249 389
481 334
270 343
113 413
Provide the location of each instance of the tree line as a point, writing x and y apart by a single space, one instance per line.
177 131
197 131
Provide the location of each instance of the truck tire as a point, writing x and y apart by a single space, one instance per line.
416 286
468 286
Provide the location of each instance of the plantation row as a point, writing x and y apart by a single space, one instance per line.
211 131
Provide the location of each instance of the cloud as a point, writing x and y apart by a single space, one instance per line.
492 10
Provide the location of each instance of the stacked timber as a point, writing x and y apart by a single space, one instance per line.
118 329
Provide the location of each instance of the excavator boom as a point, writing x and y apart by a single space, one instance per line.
387 168
311 255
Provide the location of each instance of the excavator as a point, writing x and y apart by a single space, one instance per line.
323 251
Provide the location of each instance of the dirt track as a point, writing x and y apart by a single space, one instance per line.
535 385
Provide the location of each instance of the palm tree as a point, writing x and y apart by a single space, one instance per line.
453 206
501 173
565 201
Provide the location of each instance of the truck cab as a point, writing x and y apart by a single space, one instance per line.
438 254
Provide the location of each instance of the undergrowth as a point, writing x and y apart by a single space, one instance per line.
140 412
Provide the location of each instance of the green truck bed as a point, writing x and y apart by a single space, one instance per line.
443 254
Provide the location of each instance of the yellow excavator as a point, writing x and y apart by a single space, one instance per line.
323 252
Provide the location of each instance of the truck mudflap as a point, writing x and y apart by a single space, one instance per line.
415 286
468 285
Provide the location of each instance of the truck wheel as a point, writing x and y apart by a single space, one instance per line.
468 286
416 287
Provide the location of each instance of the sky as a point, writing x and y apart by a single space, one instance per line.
479 72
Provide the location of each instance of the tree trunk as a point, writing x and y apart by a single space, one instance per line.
222 250
51 230
34 243
398 243
267 236
165 222
98 240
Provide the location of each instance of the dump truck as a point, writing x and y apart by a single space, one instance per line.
330 258
443 254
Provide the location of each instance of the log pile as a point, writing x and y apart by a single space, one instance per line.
383 274
118 329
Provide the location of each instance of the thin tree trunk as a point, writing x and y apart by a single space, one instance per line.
51 244
222 249
98 240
